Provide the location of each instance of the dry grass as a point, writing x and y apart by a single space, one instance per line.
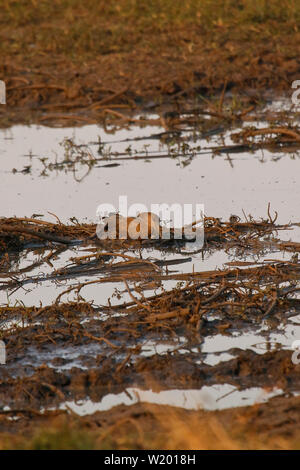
67 55
163 428
77 28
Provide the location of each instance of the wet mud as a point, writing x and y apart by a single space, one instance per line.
97 331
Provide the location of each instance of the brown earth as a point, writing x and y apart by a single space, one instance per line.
173 66
145 426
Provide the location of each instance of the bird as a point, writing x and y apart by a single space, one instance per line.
146 225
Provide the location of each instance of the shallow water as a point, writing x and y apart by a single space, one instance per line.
217 397
226 184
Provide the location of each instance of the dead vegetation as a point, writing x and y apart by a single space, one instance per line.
198 71
146 426
66 63
112 341
75 349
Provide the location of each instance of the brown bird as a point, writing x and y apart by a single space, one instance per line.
146 225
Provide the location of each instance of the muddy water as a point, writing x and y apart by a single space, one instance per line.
226 184
218 397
